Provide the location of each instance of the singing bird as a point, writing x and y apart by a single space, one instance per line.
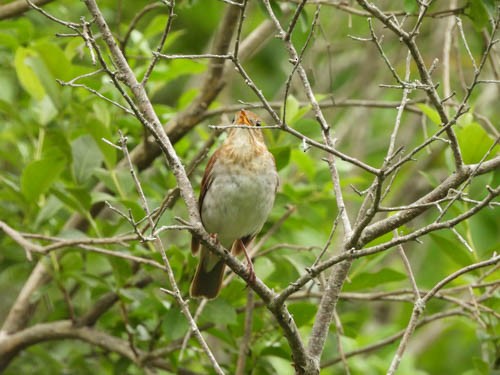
237 193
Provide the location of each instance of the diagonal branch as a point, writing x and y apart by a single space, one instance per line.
64 329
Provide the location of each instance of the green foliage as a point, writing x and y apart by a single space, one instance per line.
480 12
475 143
57 170
430 113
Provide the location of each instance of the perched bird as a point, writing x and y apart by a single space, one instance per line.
237 194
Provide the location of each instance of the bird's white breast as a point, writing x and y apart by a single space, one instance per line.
239 197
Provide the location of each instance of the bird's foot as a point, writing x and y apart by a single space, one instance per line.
214 238
250 269
251 272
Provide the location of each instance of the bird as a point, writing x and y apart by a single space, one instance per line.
237 194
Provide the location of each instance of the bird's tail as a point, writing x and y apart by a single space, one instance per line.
207 280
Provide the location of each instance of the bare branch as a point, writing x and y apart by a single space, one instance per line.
247 335
420 306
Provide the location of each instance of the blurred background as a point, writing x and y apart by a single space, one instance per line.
52 157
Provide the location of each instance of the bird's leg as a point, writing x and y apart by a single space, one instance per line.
250 269
214 237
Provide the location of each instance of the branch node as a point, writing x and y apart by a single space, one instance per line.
420 306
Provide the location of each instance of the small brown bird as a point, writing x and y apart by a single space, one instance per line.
237 194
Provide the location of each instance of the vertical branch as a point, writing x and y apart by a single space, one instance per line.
247 334
407 265
176 293
299 59
448 38
238 32
189 333
155 59
392 141
339 334
410 328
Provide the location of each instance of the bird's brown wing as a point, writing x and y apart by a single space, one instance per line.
206 181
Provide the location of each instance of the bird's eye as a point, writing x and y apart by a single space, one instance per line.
258 123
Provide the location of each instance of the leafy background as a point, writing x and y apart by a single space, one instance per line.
52 155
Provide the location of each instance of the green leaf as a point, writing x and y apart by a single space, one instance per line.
138 40
478 13
121 270
292 107
9 86
35 62
186 98
26 75
304 162
293 110
39 175
21 29
174 324
301 113
481 366
410 6
475 142
302 312
86 158
453 249
116 180
87 279
308 126
45 110
430 113
281 155
55 60
55 144
303 21
280 365
366 280
275 351
38 82
101 129
71 262
220 308
49 209
157 26
177 68
134 207
9 41
11 189
77 199
276 8
264 267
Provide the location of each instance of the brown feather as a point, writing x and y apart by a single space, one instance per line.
206 181
207 281
241 244
195 245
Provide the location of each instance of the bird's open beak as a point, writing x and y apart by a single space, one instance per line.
243 119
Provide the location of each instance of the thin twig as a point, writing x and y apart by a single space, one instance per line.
420 306
247 335
163 38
